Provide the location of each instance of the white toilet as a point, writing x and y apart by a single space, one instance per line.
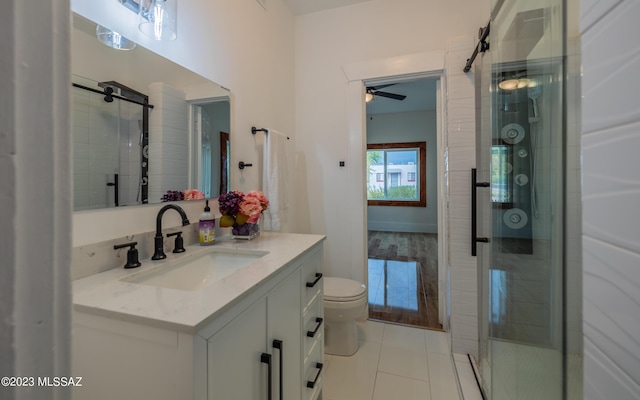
344 301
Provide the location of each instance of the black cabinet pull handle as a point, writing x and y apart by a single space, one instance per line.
277 344
311 384
474 218
318 277
266 359
313 333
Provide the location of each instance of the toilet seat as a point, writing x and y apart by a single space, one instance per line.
343 290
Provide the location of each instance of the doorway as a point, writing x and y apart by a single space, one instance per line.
211 146
402 202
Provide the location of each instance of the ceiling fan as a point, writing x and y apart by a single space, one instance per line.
373 91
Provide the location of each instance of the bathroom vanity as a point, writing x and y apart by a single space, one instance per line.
250 328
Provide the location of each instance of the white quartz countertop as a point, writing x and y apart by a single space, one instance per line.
104 294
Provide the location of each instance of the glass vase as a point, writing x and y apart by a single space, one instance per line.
245 231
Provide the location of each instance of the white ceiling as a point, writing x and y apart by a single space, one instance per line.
421 95
299 7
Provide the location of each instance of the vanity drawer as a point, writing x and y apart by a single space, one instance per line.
314 371
311 279
313 326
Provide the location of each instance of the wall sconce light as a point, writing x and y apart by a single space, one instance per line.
368 97
113 39
158 19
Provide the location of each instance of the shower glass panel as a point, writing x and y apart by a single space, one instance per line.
521 155
107 149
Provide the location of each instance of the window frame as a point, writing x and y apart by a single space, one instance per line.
422 174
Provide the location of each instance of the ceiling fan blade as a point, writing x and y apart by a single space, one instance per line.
390 95
379 86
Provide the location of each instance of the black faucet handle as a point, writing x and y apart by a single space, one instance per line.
132 254
179 243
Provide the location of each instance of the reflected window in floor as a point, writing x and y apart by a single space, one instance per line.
393 284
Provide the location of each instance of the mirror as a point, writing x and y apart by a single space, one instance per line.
143 127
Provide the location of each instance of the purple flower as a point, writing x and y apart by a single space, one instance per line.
229 203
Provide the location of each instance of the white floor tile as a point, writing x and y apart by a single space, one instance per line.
405 337
398 387
393 362
352 378
437 342
403 362
371 331
442 377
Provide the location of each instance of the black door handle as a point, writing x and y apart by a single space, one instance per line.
313 332
277 344
474 217
312 384
318 277
266 359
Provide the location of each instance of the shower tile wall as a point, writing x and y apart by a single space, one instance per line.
611 196
95 138
130 157
168 150
80 149
460 125
105 142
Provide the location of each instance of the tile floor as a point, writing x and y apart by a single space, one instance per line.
394 362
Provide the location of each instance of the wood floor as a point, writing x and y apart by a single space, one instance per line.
403 278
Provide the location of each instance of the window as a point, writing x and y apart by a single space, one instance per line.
501 171
399 170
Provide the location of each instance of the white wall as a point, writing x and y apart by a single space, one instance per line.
460 125
416 126
326 41
610 198
237 44
35 211
168 141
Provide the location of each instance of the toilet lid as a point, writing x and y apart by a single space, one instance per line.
341 289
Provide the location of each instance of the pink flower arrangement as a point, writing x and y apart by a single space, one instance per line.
193 194
179 195
238 208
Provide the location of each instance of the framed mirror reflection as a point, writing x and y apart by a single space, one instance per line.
143 126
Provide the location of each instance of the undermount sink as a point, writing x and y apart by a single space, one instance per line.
196 272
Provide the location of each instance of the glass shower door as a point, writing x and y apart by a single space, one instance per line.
520 153
96 147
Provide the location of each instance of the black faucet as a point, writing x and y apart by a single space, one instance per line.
159 248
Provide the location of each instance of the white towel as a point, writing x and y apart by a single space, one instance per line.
274 179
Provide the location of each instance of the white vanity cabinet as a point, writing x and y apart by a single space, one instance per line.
271 333
259 349
313 329
274 345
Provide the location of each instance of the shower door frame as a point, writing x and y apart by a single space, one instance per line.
485 71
